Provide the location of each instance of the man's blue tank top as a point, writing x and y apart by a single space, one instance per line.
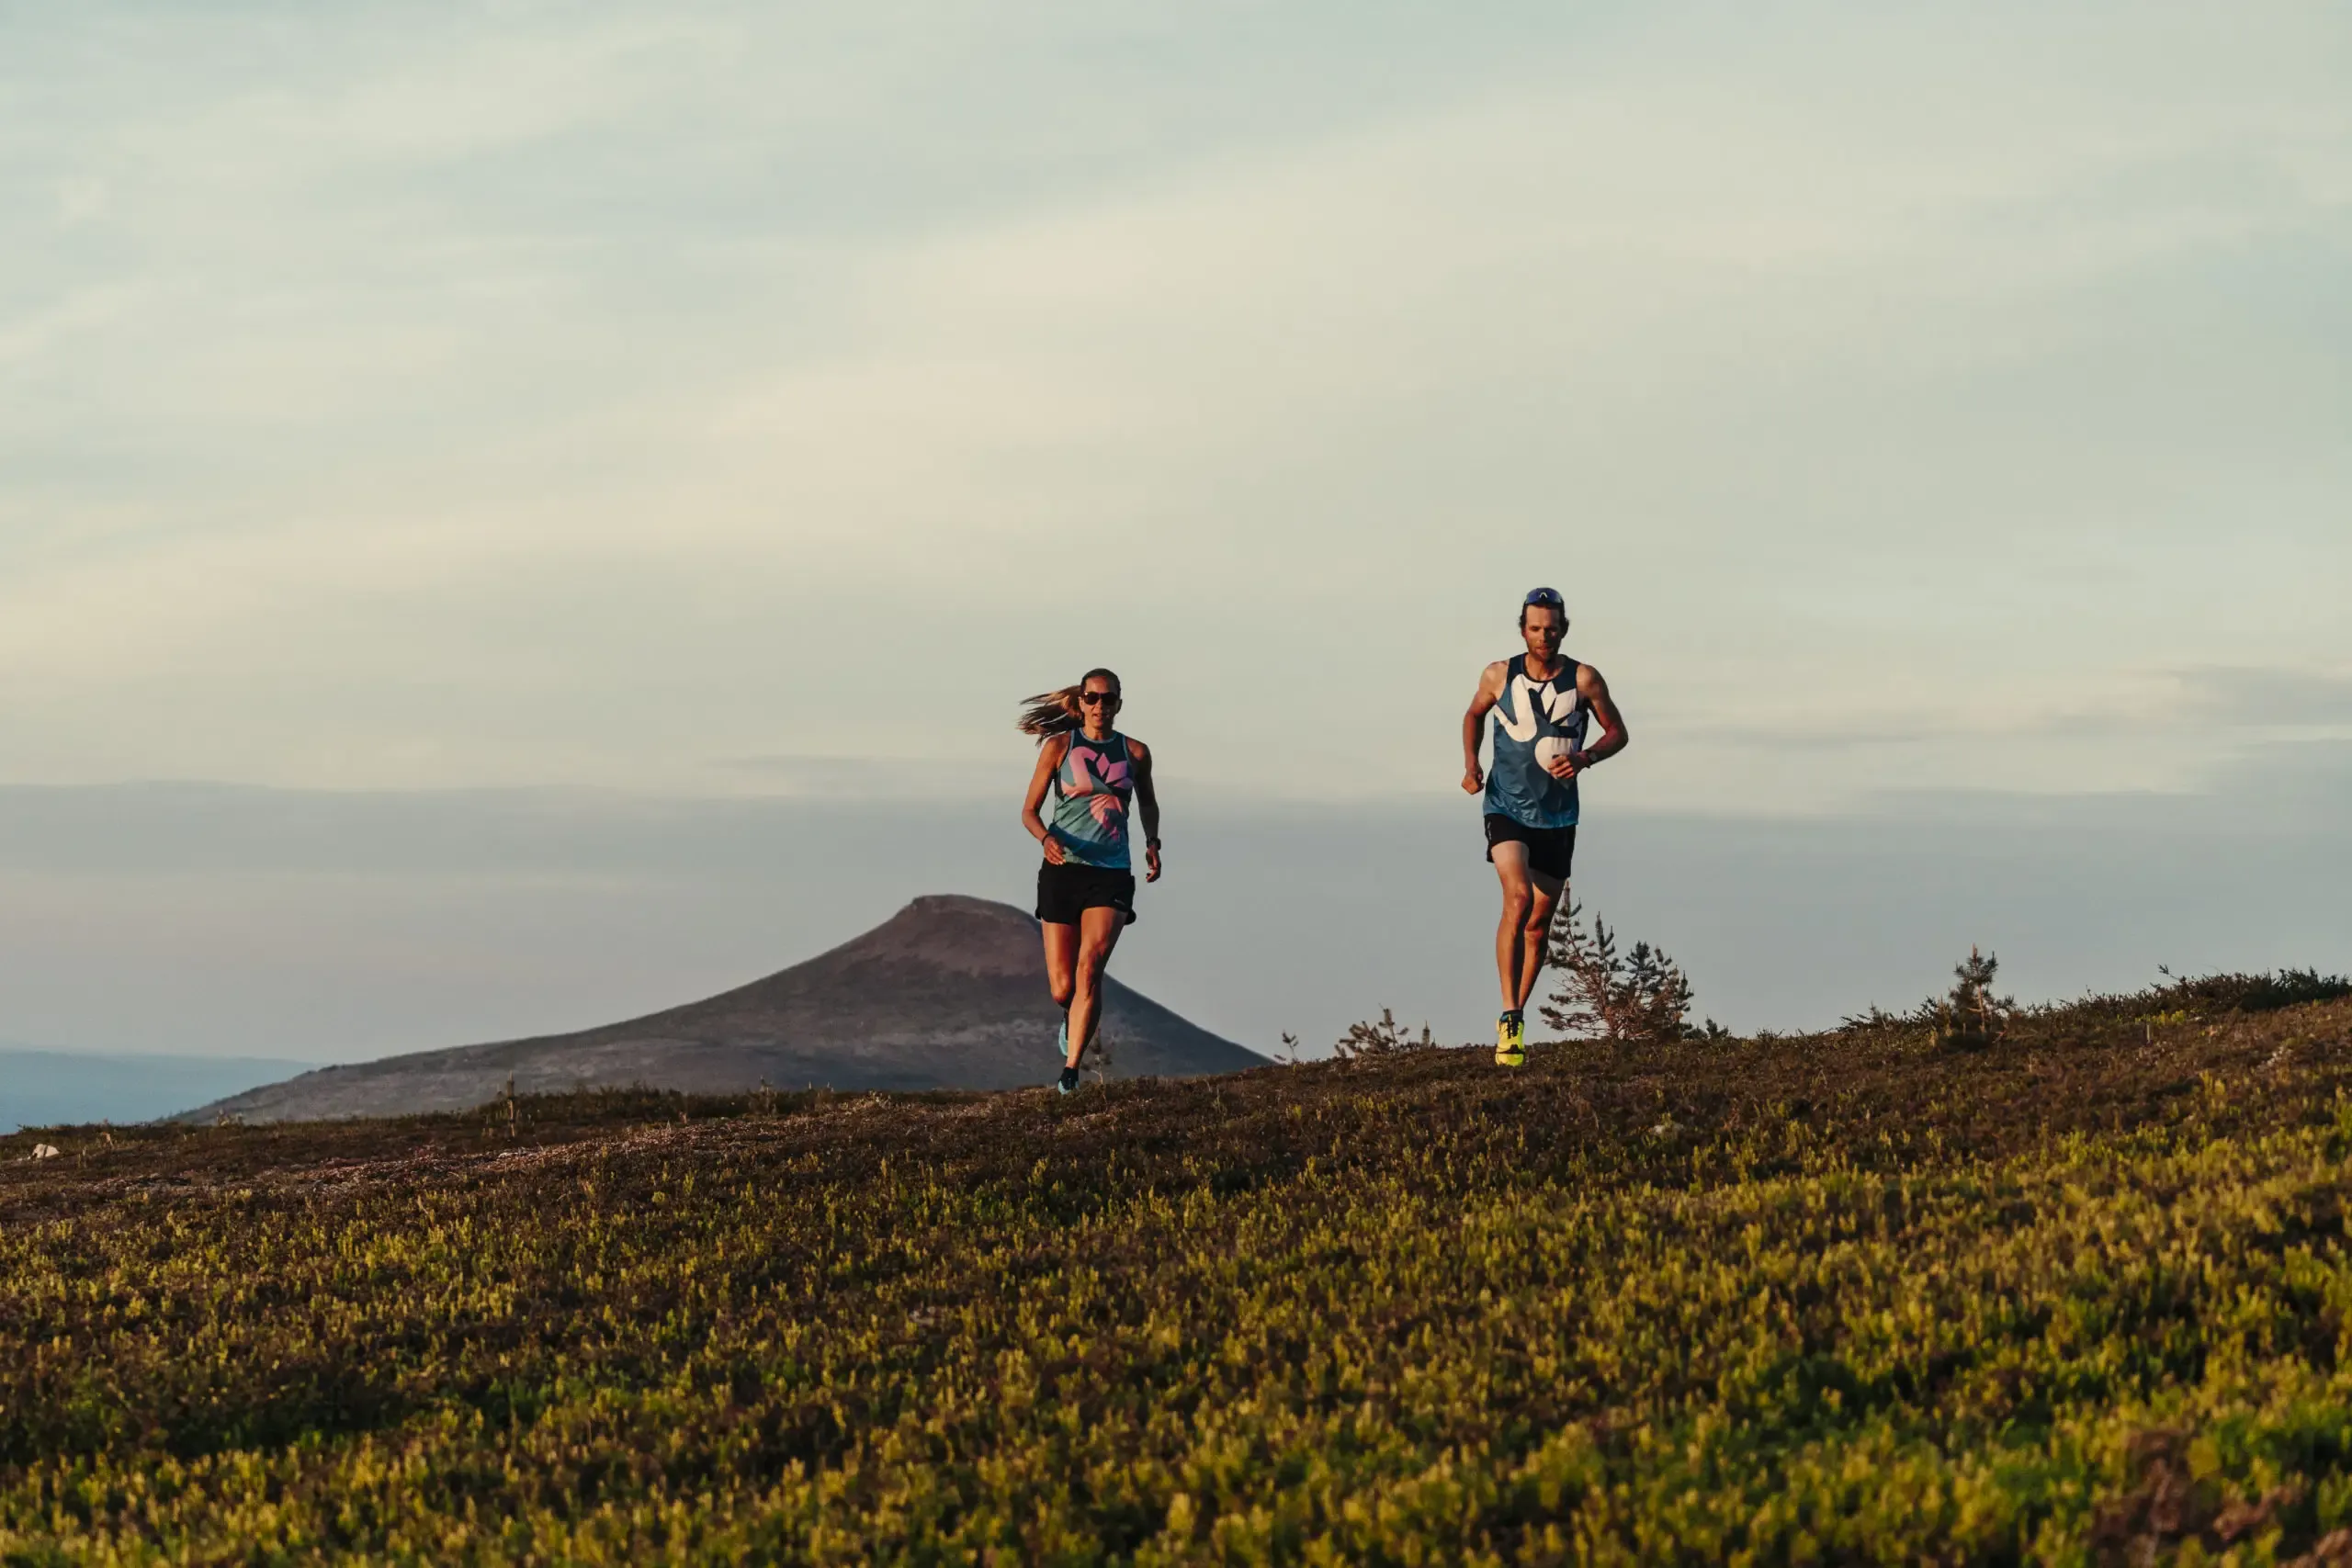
1090 793
1530 712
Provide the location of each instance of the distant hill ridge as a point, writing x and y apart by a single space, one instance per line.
948 993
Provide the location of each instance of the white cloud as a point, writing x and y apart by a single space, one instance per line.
489 415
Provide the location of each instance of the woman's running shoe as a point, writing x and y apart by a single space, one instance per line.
1069 1080
1510 1040
1061 1041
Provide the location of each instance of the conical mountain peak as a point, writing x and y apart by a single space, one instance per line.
952 930
948 993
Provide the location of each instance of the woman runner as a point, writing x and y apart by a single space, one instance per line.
1086 889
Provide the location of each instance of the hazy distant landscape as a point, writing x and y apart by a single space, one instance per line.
327 927
40 1089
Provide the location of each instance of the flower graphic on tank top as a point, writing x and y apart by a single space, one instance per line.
1106 800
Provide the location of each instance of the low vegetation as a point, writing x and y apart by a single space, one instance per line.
2077 1293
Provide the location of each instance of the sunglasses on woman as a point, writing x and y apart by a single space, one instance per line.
1091 698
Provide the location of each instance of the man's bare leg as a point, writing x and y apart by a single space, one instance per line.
1536 936
1098 933
1510 936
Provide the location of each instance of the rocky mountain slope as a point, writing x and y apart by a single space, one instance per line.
949 993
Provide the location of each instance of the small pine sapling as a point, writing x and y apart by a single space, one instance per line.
1972 1018
1654 997
1587 965
1385 1038
1640 996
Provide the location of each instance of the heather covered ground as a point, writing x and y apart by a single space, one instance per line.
2075 1292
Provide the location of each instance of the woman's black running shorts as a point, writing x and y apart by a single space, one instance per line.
1067 891
1549 851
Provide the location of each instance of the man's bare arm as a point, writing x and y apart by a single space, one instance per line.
1474 724
1614 736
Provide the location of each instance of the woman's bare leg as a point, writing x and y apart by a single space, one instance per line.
1097 935
1061 964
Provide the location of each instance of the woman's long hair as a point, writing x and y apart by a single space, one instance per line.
1049 714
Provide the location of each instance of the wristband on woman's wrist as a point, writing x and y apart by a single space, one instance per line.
1151 844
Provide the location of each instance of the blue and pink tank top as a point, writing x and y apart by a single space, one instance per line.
1092 789
1530 712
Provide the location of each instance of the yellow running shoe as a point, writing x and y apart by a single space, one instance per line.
1511 1041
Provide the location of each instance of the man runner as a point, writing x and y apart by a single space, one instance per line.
1540 702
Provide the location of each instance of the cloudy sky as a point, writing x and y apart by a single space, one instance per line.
1938 420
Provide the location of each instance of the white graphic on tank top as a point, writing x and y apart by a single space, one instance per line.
1559 705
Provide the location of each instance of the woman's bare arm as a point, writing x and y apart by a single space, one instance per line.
1049 758
1146 807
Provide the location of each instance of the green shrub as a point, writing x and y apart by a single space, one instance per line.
1827 1299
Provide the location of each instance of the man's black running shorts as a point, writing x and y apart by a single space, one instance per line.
1549 851
1065 891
